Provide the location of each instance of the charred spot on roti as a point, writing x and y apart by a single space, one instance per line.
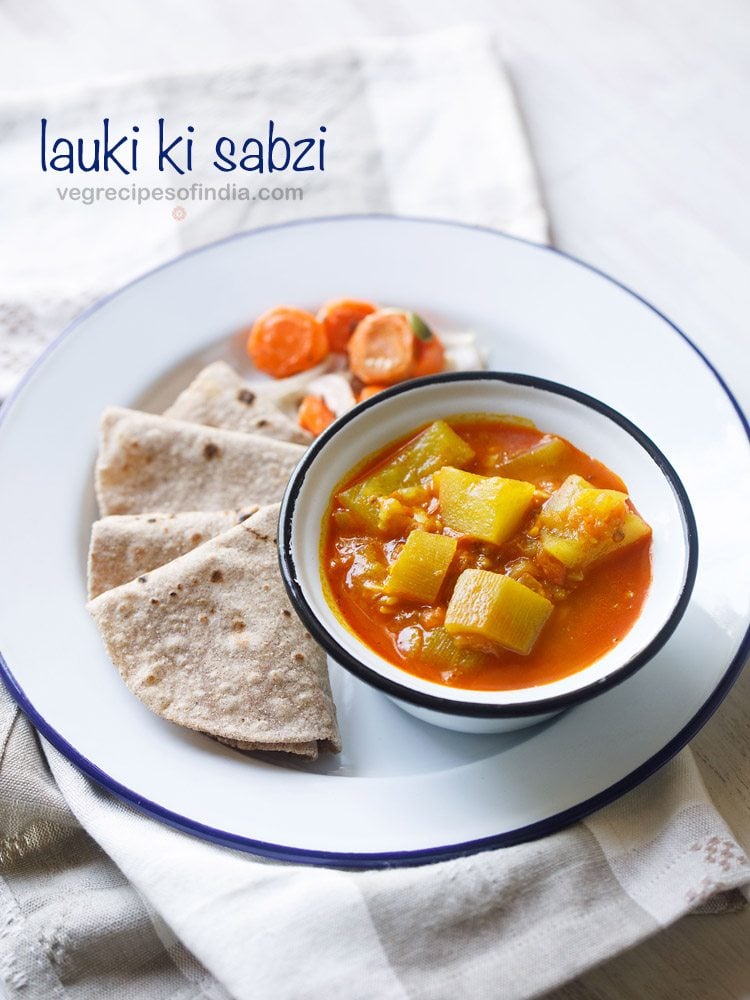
263 538
217 576
142 579
152 520
196 538
155 600
261 423
245 396
210 450
299 657
173 593
286 612
238 626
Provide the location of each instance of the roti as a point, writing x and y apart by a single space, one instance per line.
125 546
149 463
209 641
218 397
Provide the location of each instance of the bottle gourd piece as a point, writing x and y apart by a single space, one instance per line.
580 524
420 567
436 446
496 609
439 647
538 463
489 508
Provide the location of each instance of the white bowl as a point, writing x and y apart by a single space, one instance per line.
592 427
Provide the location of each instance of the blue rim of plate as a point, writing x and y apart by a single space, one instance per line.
478 709
391 859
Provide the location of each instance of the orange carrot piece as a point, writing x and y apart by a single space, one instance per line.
340 319
369 390
430 356
284 341
313 415
382 348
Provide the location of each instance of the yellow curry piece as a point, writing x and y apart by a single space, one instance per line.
420 567
496 608
579 523
436 446
489 508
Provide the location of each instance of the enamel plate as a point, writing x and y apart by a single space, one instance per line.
402 791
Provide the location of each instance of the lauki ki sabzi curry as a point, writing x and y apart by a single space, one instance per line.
483 553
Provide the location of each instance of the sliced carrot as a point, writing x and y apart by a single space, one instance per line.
382 348
284 341
369 390
340 319
430 356
313 414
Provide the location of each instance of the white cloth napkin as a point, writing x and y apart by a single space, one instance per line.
98 901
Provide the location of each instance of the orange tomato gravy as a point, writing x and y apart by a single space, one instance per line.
592 616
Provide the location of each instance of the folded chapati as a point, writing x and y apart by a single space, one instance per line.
209 641
218 397
125 546
151 463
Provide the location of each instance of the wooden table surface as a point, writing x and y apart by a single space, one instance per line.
638 113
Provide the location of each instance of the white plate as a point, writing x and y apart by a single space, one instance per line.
402 791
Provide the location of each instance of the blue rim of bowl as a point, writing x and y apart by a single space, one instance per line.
467 707
390 859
